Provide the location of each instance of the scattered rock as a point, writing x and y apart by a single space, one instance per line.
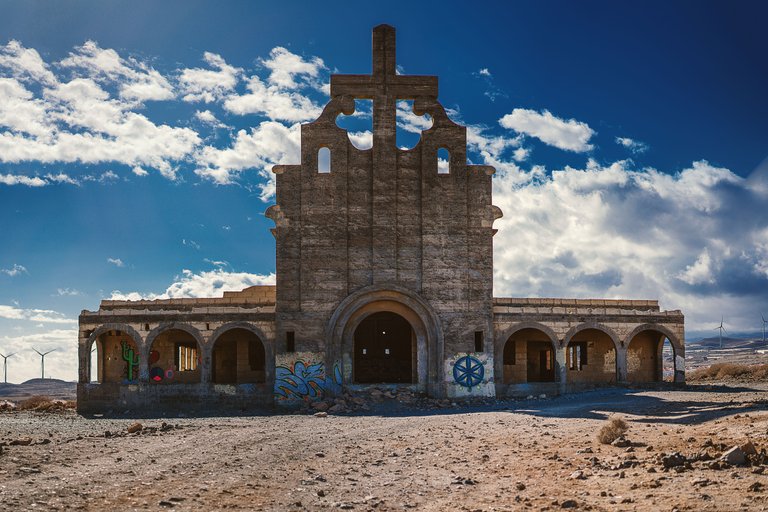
748 448
321 415
569 504
673 460
136 427
735 456
577 475
320 406
520 486
756 487
23 441
621 442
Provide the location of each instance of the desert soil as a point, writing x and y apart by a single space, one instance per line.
508 455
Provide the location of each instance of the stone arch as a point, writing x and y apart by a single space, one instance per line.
168 326
133 333
656 348
666 331
573 331
503 336
618 352
424 321
269 346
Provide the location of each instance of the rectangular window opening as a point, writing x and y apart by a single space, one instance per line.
290 341
478 341
146 327
186 357
577 355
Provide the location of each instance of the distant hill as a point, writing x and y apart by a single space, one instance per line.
53 388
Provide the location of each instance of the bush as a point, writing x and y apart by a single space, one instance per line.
612 430
728 371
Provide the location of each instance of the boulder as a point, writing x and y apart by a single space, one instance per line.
735 456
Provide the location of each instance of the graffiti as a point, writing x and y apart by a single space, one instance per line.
157 374
131 359
468 372
302 381
333 382
154 356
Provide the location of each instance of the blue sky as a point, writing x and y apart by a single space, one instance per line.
136 140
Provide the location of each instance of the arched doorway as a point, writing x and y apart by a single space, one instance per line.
528 357
384 350
114 358
650 357
238 357
590 358
174 358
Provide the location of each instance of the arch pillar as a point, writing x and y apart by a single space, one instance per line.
561 368
621 365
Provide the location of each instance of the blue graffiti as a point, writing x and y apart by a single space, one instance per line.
468 372
333 382
303 381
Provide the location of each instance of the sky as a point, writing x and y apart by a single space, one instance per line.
136 140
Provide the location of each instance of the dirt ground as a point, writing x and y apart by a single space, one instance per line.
510 455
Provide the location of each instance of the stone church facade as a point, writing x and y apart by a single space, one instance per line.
384 264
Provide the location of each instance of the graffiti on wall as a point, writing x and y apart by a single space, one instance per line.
302 377
300 380
470 374
131 359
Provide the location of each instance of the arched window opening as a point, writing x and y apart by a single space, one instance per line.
443 161
114 358
238 358
359 125
174 358
409 125
590 357
324 161
650 358
528 357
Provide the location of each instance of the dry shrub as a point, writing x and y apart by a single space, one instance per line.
729 371
42 403
612 430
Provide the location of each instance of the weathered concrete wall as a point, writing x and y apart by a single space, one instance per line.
384 218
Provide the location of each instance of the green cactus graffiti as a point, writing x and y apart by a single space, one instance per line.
131 358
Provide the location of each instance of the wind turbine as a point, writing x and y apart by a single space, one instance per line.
5 366
764 322
721 329
42 356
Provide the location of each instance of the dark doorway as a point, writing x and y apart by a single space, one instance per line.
238 358
384 350
541 364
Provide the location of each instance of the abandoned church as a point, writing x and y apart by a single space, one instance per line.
384 264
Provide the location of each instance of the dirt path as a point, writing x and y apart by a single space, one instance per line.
532 455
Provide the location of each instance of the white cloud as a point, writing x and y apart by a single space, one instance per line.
484 72
116 262
268 144
700 271
272 102
15 270
633 145
205 284
34 315
617 232
569 135
68 292
208 117
209 85
20 179
361 140
285 67
409 121
25 63
138 171
137 81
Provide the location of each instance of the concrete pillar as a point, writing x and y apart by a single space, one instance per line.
621 365
562 368
144 365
